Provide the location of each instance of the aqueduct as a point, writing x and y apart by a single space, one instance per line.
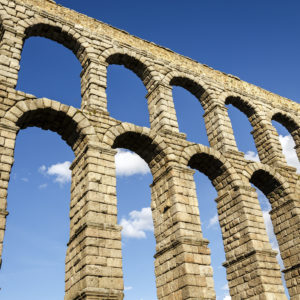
182 259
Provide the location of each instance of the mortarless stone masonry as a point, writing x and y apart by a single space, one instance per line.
182 259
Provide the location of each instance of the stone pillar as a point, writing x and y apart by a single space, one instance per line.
7 145
252 269
94 257
219 129
161 109
182 259
285 215
267 142
10 54
93 84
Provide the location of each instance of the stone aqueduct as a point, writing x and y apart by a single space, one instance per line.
182 259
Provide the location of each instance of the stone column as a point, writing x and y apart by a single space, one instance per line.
7 145
267 142
182 259
161 109
252 269
219 129
10 54
285 215
93 84
94 258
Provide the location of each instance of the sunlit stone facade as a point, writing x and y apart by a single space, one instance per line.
182 260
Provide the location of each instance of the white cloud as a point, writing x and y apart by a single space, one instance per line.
227 297
129 163
288 145
269 226
43 186
213 221
225 287
25 179
42 169
127 288
138 223
250 155
61 171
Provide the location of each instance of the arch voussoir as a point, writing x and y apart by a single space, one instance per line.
253 167
23 114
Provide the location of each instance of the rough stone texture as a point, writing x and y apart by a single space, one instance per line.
182 259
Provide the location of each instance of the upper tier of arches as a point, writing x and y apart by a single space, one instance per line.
152 73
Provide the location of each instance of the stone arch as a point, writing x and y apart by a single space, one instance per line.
73 127
283 212
291 124
266 178
138 64
202 92
192 84
240 103
287 120
151 147
69 122
62 34
267 145
236 205
211 163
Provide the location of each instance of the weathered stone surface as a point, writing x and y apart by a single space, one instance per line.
182 259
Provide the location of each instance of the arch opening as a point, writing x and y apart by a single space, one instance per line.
56 121
48 70
286 121
126 93
134 210
188 111
190 85
37 230
241 105
135 216
207 181
130 63
141 144
241 115
270 194
264 181
207 164
56 34
288 134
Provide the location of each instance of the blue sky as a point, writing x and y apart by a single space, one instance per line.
259 42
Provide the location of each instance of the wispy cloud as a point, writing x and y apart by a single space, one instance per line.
213 221
250 155
138 223
225 287
129 163
43 186
128 288
61 172
25 179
